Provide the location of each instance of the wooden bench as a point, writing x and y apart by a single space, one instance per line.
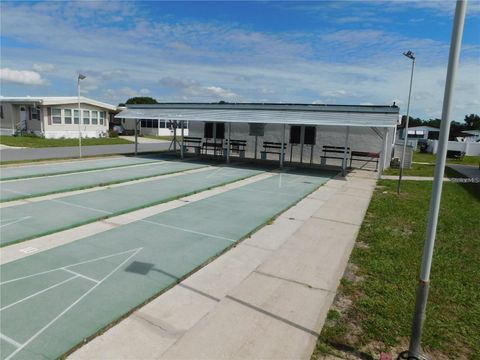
193 143
237 147
273 148
334 152
214 145
365 157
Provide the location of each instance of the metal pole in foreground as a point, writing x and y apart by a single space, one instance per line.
424 281
345 153
410 55
80 77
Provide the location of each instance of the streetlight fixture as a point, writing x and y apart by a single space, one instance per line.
80 77
409 54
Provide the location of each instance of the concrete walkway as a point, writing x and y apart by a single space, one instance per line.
412 178
145 140
266 298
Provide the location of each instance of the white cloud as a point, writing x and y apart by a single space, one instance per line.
220 92
26 77
191 88
200 61
43 67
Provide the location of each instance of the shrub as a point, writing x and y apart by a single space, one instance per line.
112 134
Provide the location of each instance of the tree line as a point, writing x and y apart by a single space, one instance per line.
471 122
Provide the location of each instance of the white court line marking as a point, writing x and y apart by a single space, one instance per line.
28 250
63 267
38 293
15 191
80 275
187 230
10 340
71 306
161 162
15 221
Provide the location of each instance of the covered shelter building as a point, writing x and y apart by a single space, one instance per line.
357 136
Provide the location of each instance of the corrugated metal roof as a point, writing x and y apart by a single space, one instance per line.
292 114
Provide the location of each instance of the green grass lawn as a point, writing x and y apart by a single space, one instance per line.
374 307
429 169
39 142
431 158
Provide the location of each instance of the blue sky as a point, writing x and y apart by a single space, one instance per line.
339 52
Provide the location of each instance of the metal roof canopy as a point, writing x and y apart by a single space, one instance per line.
290 114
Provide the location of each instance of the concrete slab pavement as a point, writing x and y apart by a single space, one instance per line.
266 298
470 171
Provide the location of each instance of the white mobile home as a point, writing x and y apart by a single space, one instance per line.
55 117
157 127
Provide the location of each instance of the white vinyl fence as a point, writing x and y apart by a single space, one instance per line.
469 148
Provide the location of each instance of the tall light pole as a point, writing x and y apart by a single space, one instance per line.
424 280
80 77
411 56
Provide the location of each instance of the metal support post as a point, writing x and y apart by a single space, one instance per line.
182 144
282 150
228 145
136 137
344 161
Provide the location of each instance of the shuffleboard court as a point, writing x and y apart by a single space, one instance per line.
28 171
26 221
20 189
53 300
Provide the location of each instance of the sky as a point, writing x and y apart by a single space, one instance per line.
331 52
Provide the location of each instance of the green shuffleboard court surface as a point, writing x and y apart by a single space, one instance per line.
26 221
52 301
26 171
19 189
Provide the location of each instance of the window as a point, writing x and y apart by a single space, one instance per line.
102 117
310 132
150 124
162 124
35 113
295 134
86 117
209 132
1 111
309 137
94 117
67 116
75 116
56 116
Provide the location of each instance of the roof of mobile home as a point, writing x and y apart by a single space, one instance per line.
55 100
